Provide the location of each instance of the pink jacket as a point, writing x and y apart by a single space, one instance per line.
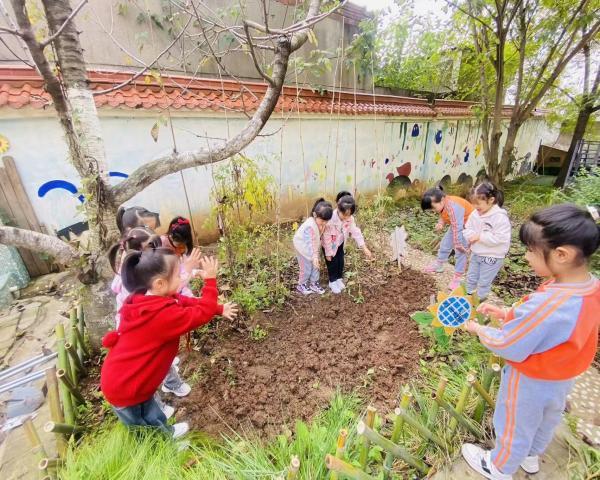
338 231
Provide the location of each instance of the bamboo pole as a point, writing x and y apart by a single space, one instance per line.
423 430
433 411
81 348
486 383
459 417
65 429
479 389
365 446
72 351
55 409
398 425
339 451
73 319
63 359
34 439
460 405
293 468
85 352
337 465
72 389
46 463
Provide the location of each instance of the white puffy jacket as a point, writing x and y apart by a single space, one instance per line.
494 232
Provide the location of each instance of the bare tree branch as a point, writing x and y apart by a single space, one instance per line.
53 37
255 59
62 252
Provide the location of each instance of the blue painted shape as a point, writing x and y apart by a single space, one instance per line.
454 311
466 150
118 174
438 137
60 184
415 131
387 160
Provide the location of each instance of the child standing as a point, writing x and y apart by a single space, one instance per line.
340 227
488 232
307 241
144 345
179 239
549 338
454 211
128 218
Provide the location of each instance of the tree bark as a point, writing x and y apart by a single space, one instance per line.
578 133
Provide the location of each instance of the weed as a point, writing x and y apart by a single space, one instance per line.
258 333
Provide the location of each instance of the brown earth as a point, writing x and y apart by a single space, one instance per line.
313 346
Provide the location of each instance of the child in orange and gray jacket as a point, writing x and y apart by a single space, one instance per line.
547 339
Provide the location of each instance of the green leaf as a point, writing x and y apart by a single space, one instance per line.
422 318
440 337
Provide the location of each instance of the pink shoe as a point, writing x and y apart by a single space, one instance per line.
435 267
456 281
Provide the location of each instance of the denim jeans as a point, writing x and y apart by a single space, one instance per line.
145 414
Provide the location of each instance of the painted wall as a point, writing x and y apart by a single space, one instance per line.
321 155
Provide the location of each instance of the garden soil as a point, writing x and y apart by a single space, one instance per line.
313 346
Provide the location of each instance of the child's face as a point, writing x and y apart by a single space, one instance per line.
320 222
482 205
344 215
164 286
438 206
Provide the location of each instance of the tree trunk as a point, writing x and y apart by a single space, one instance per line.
579 132
508 157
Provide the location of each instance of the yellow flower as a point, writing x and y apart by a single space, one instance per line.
4 144
295 226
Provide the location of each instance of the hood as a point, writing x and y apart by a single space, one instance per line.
139 309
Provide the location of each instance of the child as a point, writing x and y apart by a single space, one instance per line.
179 239
307 241
547 339
488 232
128 218
153 318
341 226
454 211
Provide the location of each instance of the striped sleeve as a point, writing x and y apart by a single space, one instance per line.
456 214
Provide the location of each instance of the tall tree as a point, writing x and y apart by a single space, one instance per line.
67 84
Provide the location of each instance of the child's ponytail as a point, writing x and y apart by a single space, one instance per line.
140 268
486 190
322 209
137 239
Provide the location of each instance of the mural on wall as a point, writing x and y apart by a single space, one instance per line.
69 187
4 144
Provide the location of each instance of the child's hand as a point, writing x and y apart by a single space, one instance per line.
472 326
368 253
460 248
492 311
316 263
209 266
192 262
329 259
230 310
439 227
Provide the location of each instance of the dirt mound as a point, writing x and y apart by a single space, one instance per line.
313 346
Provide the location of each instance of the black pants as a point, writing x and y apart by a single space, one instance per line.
335 268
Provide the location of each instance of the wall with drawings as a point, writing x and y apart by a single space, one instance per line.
321 156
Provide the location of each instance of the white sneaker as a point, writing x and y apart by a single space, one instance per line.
340 283
531 464
175 361
168 410
479 460
316 288
180 429
335 287
183 391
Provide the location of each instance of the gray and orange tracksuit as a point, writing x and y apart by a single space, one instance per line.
456 213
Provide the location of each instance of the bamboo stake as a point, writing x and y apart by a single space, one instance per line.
72 351
434 406
63 359
460 405
459 417
46 463
350 471
486 383
34 439
55 410
479 389
391 447
65 429
82 349
423 430
61 375
339 452
293 468
398 425
73 319
85 352
364 449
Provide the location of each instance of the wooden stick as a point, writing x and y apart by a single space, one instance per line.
459 417
339 451
423 430
398 425
460 406
479 389
434 406
72 351
293 468
55 410
62 376
339 466
65 429
364 449
391 447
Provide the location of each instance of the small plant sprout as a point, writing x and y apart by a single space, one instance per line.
258 333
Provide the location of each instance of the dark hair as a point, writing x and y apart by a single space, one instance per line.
128 218
486 190
345 202
139 269
322 209
560 225
180 231
432 195
136 238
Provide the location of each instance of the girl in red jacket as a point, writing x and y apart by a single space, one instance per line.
153 318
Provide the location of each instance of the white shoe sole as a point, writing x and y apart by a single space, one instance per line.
177 394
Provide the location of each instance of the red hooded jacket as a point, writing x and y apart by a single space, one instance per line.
147 340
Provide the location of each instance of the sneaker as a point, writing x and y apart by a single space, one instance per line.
340 283
335 288
531 464
176 361
315 287
435 267
168 410
183 390
456 281
180 429
303 289
479 460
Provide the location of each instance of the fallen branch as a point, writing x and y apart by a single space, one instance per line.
62 252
